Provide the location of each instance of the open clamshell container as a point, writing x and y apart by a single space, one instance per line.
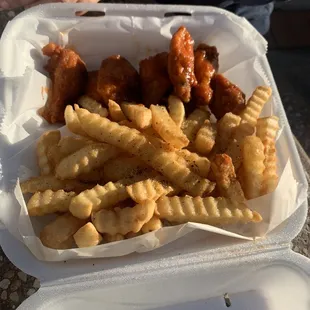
201 270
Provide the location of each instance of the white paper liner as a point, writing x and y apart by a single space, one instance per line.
135 38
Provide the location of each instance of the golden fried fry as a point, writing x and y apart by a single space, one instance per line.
125 220
43 183
136 143
226 180
85 160
266 130
70 144
138 114
122 167
234 146
99 197
92 106
54 155
225 130
153 224
150 189
55 235
93 176
207 210
87 236
253 166
72 121
167 128
113 238
205 138
255 105
176 110
198 164
157 142
45 142
193 123
115 111
48 202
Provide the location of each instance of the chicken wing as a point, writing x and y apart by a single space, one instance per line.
68 74
181 64
118 80
227 97
206 64
154 78
91 88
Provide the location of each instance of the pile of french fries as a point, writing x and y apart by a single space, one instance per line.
129 169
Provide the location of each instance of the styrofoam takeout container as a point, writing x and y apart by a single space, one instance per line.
259 275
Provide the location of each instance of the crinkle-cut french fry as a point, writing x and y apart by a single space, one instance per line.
207 210
72 122
255 105
153 224
54 155
150 189
43 183
193 123
123 166
55 235
253 166
131 235
167 129
103 196
267 129
48 202
198 164
85 160
156 140
92 106
225 130
176 110
99 197
226 180
45 142
205 138
70 144
135 142
128 123
140 115
234 146
115 112
93 176
87 236
125 220
113 238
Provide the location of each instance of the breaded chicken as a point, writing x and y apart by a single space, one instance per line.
227 97
181 64
206 64
91 88
68 74
154 78
118 80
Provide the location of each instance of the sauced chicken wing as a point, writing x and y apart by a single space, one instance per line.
91 88
68 74
118 80
181 64
154 78
227 97
206 64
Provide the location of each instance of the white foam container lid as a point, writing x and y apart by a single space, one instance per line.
182 275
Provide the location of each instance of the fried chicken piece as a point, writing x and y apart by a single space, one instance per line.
181 64
206 64
68 74
227 97
91 88
118 80
154 78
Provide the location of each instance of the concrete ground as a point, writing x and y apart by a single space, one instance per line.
290 67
